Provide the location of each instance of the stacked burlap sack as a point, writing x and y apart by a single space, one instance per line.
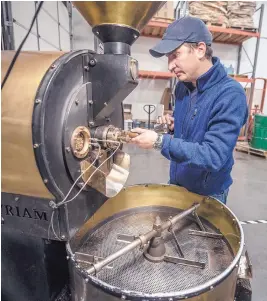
226 13
211 11
240 13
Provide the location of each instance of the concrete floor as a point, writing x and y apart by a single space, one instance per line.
247 198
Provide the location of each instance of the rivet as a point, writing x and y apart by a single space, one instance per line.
105 104
123 297
135 36
67 257
92 62
170 299
2 220
77 102
97 32
35 145
91 123
53 66
86 280
81 183
16 198
37 101
211 287
45 181
86 68
63 236
90 102
67 149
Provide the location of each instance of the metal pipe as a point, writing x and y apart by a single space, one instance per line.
239 59
37 27
254 69
141 240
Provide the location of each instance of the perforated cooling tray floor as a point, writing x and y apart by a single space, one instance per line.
133 272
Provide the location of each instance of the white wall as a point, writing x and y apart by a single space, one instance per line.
23 12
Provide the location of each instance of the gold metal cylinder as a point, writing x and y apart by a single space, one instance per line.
20 174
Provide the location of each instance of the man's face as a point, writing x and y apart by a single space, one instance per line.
185 62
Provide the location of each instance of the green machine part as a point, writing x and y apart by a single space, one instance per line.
259 138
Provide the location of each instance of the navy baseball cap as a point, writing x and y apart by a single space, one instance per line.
186 29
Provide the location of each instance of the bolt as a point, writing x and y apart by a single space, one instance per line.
35 145
67 149
92 62
45 181
63 236
77 102
91 123
37 101
90 102
16 198
86 68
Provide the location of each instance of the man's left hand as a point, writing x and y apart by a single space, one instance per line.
146 138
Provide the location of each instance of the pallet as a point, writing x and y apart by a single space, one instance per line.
223 25
250 29
246 148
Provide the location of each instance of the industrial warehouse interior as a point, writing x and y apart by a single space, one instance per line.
133 150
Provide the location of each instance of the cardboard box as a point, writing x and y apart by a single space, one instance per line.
166 98
166 12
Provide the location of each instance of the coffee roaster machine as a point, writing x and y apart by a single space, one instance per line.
70 230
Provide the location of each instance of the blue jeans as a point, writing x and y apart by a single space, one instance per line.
222 197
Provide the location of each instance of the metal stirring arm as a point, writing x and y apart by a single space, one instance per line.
140 241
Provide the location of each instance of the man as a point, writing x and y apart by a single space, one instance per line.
210 109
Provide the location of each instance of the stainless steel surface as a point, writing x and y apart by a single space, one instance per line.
141 240
245 267
205 234
121 215
185 262
133 272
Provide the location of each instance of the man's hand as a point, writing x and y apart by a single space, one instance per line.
146 138
167 119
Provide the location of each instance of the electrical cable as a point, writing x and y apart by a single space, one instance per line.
20 46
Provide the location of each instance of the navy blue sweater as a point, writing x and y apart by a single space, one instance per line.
206 127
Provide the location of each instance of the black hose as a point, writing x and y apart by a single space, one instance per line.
20 46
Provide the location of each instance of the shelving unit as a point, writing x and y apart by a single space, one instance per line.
231 36
156 29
